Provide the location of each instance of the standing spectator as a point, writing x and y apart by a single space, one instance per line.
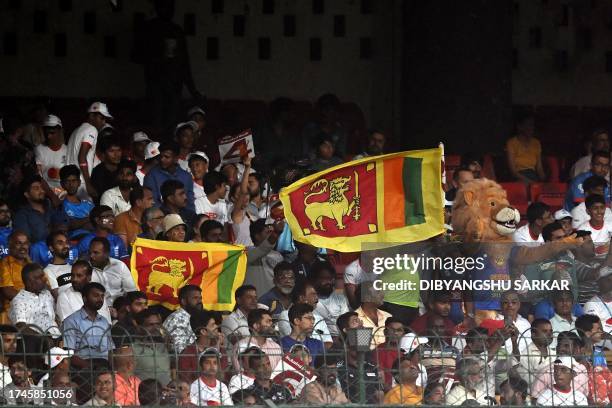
302 326
175 201
262 331
51 156
325 155
152 223
112 273
151 155
184 134
33 305
236 325
103 220
118 198
104 175
83 141
34 218
261 257
70 300
599 141
8 339
174 228
177 324
168 169
126 383
594 185
214 205
406 392
5 228
470 377
327 121
331 303
75 209
375 144
600 166
140 140
128 224
325 390
258 206
198 115
104 390
600 230
198 166
207 389
370 314
538 216
10 269
524 153
263 387
562 393
58 271
33 132
278 299
206 326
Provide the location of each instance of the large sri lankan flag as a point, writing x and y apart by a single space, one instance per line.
394 198
161 268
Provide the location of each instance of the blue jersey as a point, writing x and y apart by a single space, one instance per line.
40 253
575 191
5 232
78 211
117 247
493 271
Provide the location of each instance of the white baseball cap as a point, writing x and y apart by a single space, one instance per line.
566 361
198 154
56 355
52 121
101 108
410 341
192 124
194 110
562 214
140 137
151 150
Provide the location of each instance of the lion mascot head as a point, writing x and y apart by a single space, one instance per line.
481 212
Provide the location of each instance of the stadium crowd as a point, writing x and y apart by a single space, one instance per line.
73 203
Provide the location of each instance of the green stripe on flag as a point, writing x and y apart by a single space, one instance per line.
414 211
225 282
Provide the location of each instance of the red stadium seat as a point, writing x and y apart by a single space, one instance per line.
552 194
517 195
552 164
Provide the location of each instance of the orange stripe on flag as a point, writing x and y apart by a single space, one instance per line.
211 278
394 193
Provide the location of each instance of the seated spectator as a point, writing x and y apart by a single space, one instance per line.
126 383
370 314
5 227
325 390
112 273
600 166
184 135
207 389
406 392
375 144
354 275
125 328
236 325
40 252
151 156
150 345
104 175
70 299
152 225
34 218
562 393
324 154
211 231
75 209
589 329
140 140
262 336
174 228
524 153
103 220
61 380
564 218
51 155
168 169
213 204
563 319
306 257
198 167
205 325
302 325
594 185
33 307
599 140
331 303
8 347
327 110
278 299
150 393
10 269
511 304
15 393
128 224
177 325
104 390
58 271
438 305
600 305
118 197
263 387
461 176
470 375
245 377
600 230
538 216
261 256
175 202
538 355
388 352
514 392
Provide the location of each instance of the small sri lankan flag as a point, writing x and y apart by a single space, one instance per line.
161 268
390 199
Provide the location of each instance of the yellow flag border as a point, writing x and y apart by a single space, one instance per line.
189 246
432 199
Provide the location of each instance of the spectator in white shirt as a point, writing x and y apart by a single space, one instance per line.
355 275
538 355
51 156
563 319
207 389
538 216
592 185
214 205
510 304
33 305
118 198
564 218
236 325
470 376
184 134
112 273
8 343
562 393
601 305
600 230
332 304
599 140
58 271
198 166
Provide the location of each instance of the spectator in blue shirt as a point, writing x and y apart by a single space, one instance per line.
5 228
302 325
76 210
103 220
40 251
600 166
168 169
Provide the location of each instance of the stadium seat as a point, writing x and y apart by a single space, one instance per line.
517 196
552 165
552 194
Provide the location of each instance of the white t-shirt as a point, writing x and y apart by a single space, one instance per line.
580 216
198 198
601 236
355 275
201 394
522 236
556 398
184 164
596 306
50 162
217 211
58 275
140 176
240 381
87 134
